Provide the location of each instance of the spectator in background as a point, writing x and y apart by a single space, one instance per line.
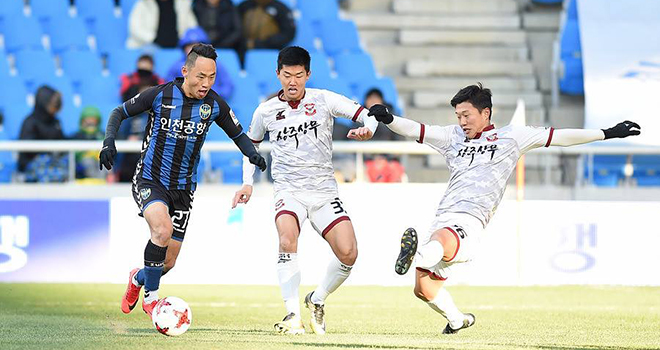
42 124
220 21
223 84
159 22
87 163
267 24
383 168
142 78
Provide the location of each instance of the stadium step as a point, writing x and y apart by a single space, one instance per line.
391 59
462 37
453 84
460 21
446 115
454 6
431 99
422 68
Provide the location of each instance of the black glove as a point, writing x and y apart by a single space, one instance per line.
381 113
108 153
259 161
621 130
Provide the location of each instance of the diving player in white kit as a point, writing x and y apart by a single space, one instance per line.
481 158
299 122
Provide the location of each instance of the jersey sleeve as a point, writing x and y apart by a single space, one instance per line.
227 120
531 137
433 135
141 102
343 107
257 129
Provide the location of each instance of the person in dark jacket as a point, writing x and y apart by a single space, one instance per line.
220 21
42 124
267 24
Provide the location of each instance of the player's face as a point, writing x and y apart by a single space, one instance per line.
293 80
471 120
200 78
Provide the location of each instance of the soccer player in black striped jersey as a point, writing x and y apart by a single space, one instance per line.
180 115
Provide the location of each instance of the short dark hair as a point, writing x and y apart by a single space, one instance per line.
200 50
146 57
477 95
293 56
374 91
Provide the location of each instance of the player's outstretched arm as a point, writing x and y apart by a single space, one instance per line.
401 126
572 137
109 151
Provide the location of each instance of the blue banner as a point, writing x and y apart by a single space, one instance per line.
54 240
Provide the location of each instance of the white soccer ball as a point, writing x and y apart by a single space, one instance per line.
172 316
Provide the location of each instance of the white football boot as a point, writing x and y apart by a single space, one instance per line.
318 315
291 324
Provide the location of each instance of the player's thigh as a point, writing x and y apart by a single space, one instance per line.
427 284
332 222
341 239
290 214
160 224
450 242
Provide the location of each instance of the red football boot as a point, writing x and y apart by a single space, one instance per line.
132 294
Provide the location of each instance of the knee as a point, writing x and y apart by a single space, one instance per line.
348 255
288 243
422 294
161 233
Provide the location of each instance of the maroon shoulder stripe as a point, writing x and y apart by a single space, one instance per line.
547 144
357 113
421 133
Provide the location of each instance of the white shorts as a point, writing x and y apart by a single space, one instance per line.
468 231
324 210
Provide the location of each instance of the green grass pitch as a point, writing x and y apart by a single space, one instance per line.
87 316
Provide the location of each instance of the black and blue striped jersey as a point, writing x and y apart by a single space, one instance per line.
176 129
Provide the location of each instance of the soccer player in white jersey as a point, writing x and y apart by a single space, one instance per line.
481 158
299 122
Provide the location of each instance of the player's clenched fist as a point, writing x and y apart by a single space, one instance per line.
621 130
259 161
242 196
381 113
107 155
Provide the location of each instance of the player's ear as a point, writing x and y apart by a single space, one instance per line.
184 71
486 113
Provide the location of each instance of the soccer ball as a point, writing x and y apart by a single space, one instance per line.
172 316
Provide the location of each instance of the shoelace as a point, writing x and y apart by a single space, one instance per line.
318 313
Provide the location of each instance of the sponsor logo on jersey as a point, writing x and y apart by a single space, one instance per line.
279 204
169 106
233 117
280 115
310 109
292 132
182 129
471 151
145 193
492 137
205 111
133 99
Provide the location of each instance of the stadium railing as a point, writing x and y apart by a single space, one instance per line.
346 147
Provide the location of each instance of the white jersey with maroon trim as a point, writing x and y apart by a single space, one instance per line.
301 135
480 167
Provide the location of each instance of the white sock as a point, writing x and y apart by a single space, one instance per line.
444 305
288 273
429 254
150 296
336 275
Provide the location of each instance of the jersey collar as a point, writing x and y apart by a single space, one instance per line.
293 104
488 128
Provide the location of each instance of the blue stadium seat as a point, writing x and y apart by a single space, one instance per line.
316 10
355 68
230 165
21 33
100 91
571 10
245 99
320 67
110 33
305 36
14 114
339 36
646 170
7 163
126 7
68 33
69 117
4 65
261 65
80 65
570 40
90 10
123 61
229 60
33 64
13 89
337 85
46 10
11 8
572 81
548 1
164 59
608 170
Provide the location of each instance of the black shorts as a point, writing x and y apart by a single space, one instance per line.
179 203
